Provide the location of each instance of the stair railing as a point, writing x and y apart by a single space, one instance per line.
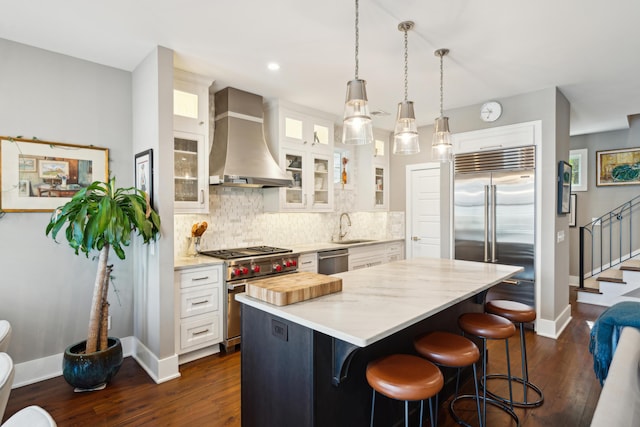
609 240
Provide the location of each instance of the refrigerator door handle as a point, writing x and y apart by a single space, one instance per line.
494 190
486 223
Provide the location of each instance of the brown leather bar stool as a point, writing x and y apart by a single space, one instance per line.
451 351
488 326
404 377
519 314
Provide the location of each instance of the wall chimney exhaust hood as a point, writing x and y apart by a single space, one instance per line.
239 155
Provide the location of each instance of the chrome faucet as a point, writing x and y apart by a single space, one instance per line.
341 235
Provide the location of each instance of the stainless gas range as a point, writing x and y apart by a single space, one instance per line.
244 265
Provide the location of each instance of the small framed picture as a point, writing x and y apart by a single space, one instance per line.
564 188
24 188
27 164
144 173
573 210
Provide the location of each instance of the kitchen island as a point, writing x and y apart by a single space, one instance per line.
303 364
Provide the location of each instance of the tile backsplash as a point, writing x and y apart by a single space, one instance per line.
237 219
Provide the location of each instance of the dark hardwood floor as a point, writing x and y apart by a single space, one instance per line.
208 392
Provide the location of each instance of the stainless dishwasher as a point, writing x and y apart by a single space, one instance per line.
333 261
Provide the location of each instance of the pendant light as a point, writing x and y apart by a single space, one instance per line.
357 128
441 148
405 137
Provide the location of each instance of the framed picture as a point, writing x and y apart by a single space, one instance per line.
24 188
618 167
573 212
564 188
39 176
579 176
27 164
144 173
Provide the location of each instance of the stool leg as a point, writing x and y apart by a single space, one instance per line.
373 407
422 410
484 381
525 368
506 343
475 383
406 413
434 421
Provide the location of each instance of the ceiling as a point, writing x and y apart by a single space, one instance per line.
499 48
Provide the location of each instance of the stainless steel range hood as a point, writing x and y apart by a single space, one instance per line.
239 155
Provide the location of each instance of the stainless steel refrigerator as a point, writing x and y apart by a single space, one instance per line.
494 214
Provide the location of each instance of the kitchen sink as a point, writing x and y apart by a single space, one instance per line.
350 242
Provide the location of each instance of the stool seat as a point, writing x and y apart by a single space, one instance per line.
516 312
447 349
404 377
486 325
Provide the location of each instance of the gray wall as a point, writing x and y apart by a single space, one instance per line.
552 108
597 201
45 290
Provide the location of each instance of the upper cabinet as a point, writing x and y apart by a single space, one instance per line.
301 140
373 173
191 142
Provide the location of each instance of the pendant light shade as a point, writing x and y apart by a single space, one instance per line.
405 136
441 147
357 128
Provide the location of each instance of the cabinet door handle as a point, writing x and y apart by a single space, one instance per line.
415 238
202 194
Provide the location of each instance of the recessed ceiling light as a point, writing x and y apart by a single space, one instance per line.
273 66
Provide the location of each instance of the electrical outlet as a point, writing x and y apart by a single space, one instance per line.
279 330
109 322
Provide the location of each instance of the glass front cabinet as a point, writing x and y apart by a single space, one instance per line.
303 145
190 142
373 173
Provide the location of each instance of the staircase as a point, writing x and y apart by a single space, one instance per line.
608 245
613 285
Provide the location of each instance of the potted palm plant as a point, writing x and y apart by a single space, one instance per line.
99 218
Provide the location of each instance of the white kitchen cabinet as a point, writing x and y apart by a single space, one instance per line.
373 174
308 262
375 254
198 308
191 143
395 251
302 142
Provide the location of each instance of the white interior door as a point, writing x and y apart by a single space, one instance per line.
423 211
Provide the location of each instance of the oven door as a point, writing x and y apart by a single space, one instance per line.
234 324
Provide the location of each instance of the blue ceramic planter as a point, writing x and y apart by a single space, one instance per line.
89 371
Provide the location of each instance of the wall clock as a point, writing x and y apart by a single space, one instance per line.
490 111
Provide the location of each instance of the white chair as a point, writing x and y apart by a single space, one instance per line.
5 335
31 416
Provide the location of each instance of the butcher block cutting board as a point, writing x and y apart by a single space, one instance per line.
291 288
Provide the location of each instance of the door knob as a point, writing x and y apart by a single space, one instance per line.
415 238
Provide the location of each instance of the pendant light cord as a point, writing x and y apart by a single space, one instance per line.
441 86
357 38
406 64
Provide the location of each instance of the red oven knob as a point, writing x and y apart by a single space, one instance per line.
235 272
277 267
255 268
244 270
294 262
288 263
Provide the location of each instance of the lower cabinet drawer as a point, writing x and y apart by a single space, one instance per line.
200 332
200 300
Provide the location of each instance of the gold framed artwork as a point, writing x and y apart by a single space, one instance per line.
39 176
618 167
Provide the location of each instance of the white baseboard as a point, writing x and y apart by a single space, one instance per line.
197 354
160 370
37 370
553 328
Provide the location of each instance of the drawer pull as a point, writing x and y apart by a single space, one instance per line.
199 278
200 302
201 332
306 262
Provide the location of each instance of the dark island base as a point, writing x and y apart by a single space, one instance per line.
287 372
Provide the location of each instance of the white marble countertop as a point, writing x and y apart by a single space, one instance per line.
180 263
379 301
